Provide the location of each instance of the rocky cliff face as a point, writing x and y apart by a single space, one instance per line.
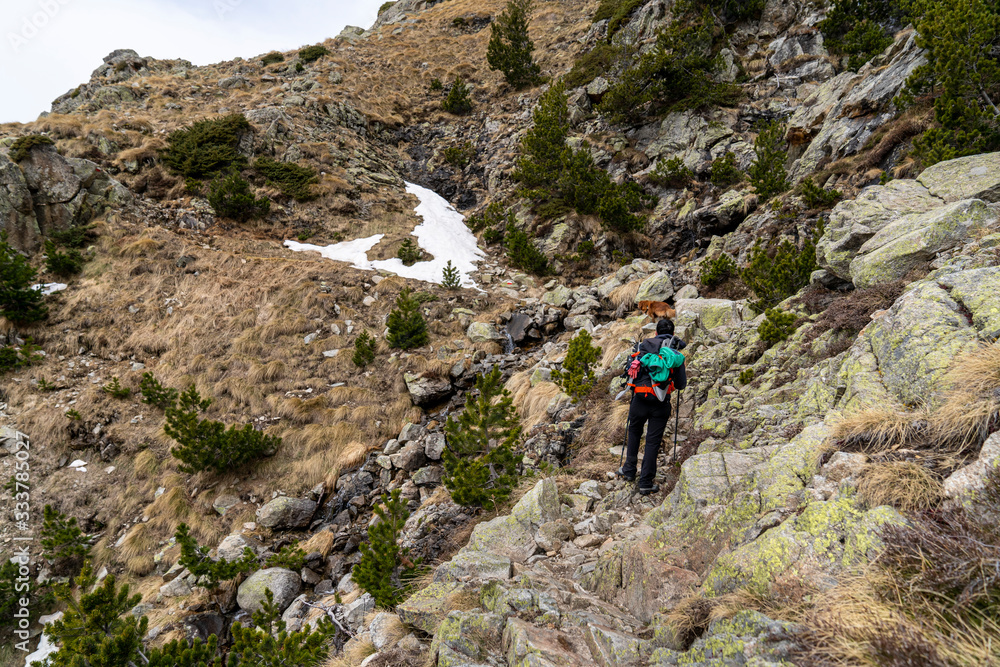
764 495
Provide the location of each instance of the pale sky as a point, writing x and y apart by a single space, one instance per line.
48 47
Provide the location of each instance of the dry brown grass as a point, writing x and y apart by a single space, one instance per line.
353 654
624 295
905 485
321 542
876 430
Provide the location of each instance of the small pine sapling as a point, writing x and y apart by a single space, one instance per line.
478 473
459 100
816 197
452 279
716 271
777 326
364 350
385 567
62 264
578 373
291 557
115 389
63 543
724 171
19 301
211 572
407 328
154 393
767 174
409 252
510 48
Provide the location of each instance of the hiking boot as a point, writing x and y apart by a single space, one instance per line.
621 473
653 489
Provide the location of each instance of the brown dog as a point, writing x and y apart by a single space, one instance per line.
657 309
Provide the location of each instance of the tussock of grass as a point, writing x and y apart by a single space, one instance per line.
877 430
905 485
623 296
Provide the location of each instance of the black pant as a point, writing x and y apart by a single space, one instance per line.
641 411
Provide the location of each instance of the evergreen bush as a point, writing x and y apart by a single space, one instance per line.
364 350
63 543
960 40
459 101
76 236
510 47
724 171
385 568
579 368
407 328
154 393
817 197
115 389
861 29
12 591
480 466
207 147
409 252
293 180
544 145
777 326
716 271
775 276
767 173
671 173
291 557
207 445
19 302
452 279
436 84
459 155
272 58
62 264
523 254
746 375
231 197
616 12
197 561
22 146
312 53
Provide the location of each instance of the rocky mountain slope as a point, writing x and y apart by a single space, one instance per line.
795 456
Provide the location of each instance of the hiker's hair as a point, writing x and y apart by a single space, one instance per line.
664 326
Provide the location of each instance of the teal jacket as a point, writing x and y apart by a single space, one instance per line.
660 365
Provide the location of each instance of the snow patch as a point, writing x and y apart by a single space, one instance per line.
45 645
443 234
49 288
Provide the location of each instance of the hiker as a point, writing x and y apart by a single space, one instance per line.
656 369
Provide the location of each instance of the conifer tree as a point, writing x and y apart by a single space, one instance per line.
407 328
459 101
385 566
19 303
476 472
543 149
204 444
409 252
63 543
767 174
578 373
364 350
97 630
452 279
198 562
510 47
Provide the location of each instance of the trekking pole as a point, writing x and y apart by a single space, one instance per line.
621 459
677 420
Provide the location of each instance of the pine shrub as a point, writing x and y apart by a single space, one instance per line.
272 58
312 53
207 147
436 84
76 236
115 389
409 252
364 350
12 592
746 375
579 368
616 12
13 357
861 29
724 171
62 264
293 180
63 543
817 197
97 629
716 271
381 571
459 100
208 445
19 302
154 393
291 557
510 48
197 561
22 146
523 254
459 155
544 145
480 466
452 279
777 326
767 173
671 173
407 328
231 197
775 276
